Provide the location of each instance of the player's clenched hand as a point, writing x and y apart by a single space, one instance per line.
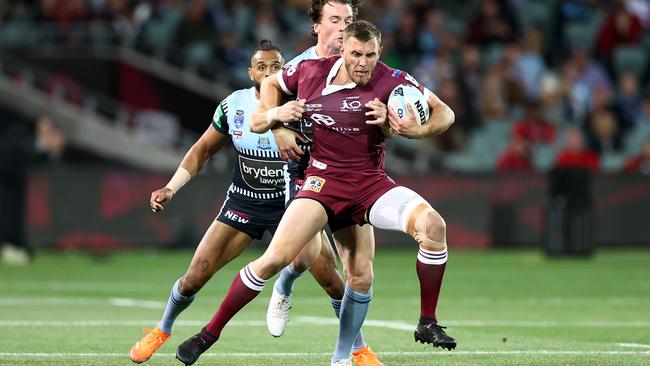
287 144
407 126
291 111
159 198
378 110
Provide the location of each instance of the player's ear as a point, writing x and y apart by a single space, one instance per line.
250 73
316 27
381 49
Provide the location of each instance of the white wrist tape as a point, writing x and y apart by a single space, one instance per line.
272 115
180 178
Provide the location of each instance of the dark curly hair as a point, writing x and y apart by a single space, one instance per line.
316 9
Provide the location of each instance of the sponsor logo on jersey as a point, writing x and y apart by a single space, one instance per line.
237 134
315 107
239 118
351 104
237 216
264 143
261 174
298 183
313 183
322 119
396 73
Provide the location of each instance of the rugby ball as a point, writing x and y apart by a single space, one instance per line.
405 94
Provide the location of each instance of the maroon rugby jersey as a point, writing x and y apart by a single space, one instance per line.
337 112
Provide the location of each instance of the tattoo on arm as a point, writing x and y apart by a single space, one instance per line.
205 265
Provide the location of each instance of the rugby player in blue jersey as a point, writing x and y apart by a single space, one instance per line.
254 202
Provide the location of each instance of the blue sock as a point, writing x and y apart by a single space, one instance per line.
284 284
354 308
359 342
175 305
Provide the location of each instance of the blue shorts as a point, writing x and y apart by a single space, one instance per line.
251 218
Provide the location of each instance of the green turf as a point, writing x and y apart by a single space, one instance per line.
504 308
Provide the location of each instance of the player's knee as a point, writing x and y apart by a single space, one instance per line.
361 282
272 263
433 227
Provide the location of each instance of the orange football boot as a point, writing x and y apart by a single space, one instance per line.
148 345
366 357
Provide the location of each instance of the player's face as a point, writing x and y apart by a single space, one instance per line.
263 64
334 18
360 58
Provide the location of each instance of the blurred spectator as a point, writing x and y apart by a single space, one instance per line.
603 133
629 101
640 8
469 80
19 149
621 27
574 153
533 128
640 163
494 23
575 94
407 33
551 98
516 158
530 64
590 72
196 25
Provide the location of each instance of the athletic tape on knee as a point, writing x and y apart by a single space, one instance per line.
432 257
392 210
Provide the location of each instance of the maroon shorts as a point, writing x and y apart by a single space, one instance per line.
345 193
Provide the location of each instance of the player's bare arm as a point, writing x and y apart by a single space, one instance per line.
441 117
207 145
269 112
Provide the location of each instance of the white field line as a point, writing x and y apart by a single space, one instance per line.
634 345
323 354
470 301
312 320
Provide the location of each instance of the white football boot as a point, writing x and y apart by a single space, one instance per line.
277 315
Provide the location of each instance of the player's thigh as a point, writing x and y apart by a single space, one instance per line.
302 220
220 244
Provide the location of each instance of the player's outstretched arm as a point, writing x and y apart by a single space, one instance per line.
195 158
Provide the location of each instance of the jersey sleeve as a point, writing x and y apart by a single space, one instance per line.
220 118
406 78
289 77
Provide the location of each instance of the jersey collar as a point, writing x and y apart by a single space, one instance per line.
329 89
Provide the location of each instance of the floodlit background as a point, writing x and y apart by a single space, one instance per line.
543 180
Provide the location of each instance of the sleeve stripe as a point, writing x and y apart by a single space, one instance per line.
282 84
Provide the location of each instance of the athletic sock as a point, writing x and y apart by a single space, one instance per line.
175 305
359 342
430 267
284 283
244 288
354 308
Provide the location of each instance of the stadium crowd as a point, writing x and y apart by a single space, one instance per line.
563 76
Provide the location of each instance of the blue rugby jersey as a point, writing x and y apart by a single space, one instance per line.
258 175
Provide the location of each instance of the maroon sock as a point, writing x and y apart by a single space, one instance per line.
430 276
244 288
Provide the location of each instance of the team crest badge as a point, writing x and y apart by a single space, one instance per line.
264 143
313 183
239 118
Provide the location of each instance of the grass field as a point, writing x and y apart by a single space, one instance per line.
504 308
